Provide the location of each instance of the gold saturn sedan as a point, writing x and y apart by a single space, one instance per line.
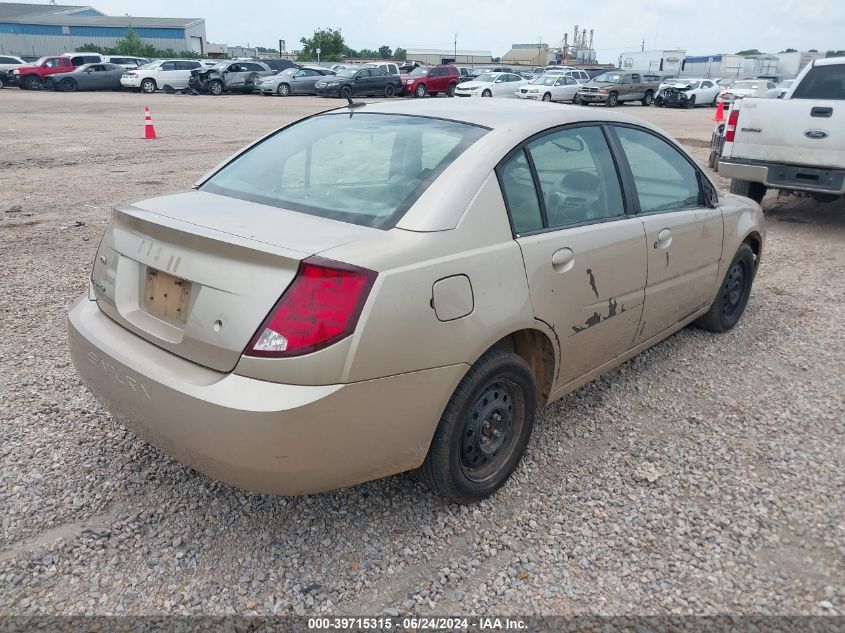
397 286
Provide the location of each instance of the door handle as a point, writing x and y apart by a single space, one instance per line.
563 260
664 239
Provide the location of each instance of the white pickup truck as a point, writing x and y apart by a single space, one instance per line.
795 144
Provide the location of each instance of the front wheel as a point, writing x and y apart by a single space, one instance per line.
68 85
215 88
691 102
148 86
733 294
283 90
487 93
648 98
753 190
547 96
32 83
450 91
484 430
612 100
420 91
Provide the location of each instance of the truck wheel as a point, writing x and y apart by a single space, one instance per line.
612 100
733 294
148 86
283 90
389 90
648 98
420 91
215 87
484 430
31 82
753 190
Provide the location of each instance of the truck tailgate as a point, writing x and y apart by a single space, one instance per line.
792 131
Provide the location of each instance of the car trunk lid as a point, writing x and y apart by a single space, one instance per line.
196 273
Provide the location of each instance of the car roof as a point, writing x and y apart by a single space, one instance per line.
499 114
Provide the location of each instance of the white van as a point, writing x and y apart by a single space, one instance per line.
127 62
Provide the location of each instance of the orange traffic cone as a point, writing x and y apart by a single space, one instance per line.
720 112
149 130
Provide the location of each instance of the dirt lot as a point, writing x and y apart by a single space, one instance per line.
744 429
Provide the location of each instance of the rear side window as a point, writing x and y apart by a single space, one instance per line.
665 180
521 195
577 175
822 82
362 168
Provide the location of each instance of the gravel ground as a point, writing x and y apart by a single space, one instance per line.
742 433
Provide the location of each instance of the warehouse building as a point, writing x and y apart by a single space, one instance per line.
448 56
528 55
51 29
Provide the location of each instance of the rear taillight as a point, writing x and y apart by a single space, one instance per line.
730 128
319 308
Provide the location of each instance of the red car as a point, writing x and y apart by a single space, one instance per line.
32 76
431 80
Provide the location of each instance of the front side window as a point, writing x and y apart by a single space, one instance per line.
665 180
578 178
362 168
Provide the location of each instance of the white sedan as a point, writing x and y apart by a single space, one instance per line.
749 88
491 85
549 87
687 93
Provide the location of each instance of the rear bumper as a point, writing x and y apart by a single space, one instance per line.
257 435
783 176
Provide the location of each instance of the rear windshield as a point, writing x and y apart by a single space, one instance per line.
822 82
361 168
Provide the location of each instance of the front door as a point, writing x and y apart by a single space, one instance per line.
683 234
585 258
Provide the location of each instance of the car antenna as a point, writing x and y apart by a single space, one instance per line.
354 104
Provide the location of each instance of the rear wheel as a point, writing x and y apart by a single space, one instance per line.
283 90
389 90
215 87
148 86
733 294
753 190
484 430
612 100
32 82
648 98
547 96
68 85
419 91
450 92
713 160
487 93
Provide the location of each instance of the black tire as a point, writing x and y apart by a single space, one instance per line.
713 103
659 102
648 98
713 161
283 90
753 190
346 92
547 96
419 91
68 85
484 430
450 91
32 82
148 86
389 90
2 82
691 102
733 294
216 87
612 100
487 93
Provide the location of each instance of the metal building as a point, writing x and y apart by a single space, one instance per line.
528 55
448 56
50 29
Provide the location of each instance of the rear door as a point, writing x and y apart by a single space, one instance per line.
683 234
585 257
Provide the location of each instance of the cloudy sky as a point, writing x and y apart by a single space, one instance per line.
699 26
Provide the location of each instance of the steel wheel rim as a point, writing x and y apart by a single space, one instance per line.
734 289
490 431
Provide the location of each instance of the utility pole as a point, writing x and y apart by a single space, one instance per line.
456 47
642 48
